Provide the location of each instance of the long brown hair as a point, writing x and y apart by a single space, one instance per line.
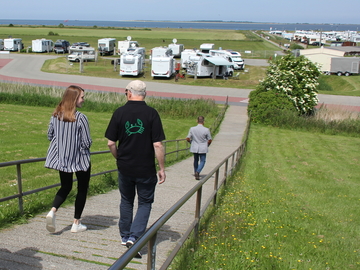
66 109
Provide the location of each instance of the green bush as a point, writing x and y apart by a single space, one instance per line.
267 106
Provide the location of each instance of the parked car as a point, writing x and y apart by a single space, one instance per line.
61 46
84 44
316 43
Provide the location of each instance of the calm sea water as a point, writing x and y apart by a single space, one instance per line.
195 25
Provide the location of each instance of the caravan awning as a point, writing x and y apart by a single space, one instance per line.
218 61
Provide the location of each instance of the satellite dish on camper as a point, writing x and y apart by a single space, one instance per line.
174 40
128 38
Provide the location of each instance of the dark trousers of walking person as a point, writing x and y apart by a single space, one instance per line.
198 166
145 189
66 179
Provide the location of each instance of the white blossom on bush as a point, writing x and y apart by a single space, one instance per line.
297 78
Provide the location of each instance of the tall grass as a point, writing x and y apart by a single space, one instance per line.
334 120
293 204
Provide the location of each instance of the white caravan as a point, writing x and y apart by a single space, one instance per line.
176 48
232 56
124 45
185 56
1 44
206 47
162 62
42 45
13 44
80 52
132 62
204 65
106 46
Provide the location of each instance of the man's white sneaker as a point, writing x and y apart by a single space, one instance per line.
78 228
50 221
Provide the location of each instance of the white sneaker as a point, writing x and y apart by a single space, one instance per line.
78 228
50 221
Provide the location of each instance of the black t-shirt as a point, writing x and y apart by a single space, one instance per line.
135 126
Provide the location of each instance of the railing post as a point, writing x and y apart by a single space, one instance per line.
152 253
19 183
197 211
177 149
226 171
216 182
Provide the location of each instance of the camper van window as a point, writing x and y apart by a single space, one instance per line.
206 63
129 61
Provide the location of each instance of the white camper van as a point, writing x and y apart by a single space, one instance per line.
162 62
13 44
205 65
124 45
185 56
42 45
232 56
206 47
133 62
106 46
176 48
79 52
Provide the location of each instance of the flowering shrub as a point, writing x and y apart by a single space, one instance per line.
293 78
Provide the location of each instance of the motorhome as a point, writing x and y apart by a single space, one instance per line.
42 45
162 62
232 56
1 44
176 48
205 65
206 47
124 45
78 53
185 56
13 44
132 62
106 46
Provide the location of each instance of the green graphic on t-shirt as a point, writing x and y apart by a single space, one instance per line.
134 128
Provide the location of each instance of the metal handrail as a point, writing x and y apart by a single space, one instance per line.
149 237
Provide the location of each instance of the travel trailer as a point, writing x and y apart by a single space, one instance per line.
124 45
162 62
132 62
106 46
78 53
176 48
205 65
233 56
42 45
342 66
13 44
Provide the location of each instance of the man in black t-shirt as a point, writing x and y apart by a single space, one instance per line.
138 130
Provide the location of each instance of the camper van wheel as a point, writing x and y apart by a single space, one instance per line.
339 73
77 60
347 73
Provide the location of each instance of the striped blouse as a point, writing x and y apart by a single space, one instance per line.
70 142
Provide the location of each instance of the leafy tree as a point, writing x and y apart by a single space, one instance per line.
290 77
61 25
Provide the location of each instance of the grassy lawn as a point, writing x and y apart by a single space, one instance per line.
292 205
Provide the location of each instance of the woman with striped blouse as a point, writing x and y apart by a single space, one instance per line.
69 153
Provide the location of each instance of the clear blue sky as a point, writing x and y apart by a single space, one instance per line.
305 11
